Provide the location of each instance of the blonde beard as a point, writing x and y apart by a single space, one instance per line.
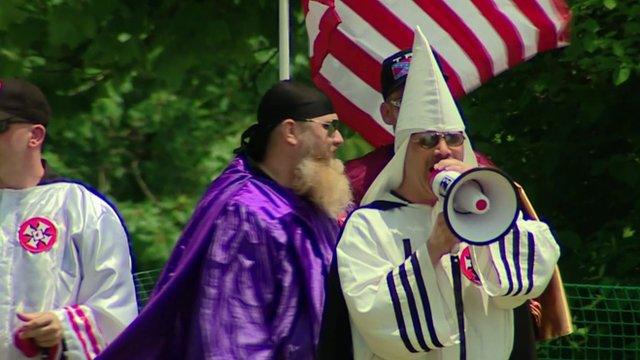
324 183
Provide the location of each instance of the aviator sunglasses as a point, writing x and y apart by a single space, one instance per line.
430 139
331 127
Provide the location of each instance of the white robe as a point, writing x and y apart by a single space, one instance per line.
84 277
402 307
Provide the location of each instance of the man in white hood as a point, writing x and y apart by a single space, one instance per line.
413 290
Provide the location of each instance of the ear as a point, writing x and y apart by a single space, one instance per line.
386 111
290 132
37 135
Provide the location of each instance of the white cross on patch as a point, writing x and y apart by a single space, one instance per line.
37 235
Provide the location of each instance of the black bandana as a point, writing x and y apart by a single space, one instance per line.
286 100
292 100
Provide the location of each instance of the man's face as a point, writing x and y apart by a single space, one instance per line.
390 108
13 140
422 156
321 138
320 176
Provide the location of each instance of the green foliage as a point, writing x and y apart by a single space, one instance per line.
150 97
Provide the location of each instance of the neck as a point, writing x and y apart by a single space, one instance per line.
21 174
279 169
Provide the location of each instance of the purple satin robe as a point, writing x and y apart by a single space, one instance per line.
245 281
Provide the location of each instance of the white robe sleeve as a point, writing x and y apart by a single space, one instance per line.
398 308
519 266
106 300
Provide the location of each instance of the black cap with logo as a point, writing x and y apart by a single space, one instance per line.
394 71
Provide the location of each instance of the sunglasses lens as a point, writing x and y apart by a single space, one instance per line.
332 127
4 125
429 140
454 139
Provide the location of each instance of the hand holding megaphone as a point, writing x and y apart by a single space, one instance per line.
479 205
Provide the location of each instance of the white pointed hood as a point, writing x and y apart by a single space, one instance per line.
427 104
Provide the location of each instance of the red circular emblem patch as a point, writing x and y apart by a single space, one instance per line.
37 234
466 267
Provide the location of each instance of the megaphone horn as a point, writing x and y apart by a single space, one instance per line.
480 205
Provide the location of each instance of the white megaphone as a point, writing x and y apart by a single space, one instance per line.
480 205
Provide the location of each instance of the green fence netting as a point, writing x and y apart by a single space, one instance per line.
606 323
144 282
606 320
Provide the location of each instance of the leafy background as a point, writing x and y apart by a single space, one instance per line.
150 97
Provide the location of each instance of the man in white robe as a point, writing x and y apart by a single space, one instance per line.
413 290
66 286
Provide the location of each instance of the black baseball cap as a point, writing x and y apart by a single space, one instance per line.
395 69
23 100
394 73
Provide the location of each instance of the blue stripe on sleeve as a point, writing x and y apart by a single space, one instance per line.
530 261
415 318
425 301
516 259
503 257
398 312
406 243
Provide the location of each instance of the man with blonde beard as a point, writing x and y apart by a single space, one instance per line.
246 280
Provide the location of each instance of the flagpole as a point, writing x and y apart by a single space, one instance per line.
283 58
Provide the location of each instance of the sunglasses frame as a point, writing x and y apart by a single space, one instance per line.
331 126
4 124
447 136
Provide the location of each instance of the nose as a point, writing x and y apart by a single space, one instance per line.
442 149
337 138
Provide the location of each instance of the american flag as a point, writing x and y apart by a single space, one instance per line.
475 39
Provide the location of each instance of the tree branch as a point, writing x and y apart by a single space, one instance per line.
137 175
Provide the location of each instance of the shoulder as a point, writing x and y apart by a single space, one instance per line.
265 199
372 215
365 231
248 207
81 195
238 187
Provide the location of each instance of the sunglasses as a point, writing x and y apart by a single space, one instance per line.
4 124
331 127
431 139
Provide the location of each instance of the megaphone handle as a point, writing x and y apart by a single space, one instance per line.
526 203
554 317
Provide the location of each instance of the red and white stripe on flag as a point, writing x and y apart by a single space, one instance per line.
475 39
